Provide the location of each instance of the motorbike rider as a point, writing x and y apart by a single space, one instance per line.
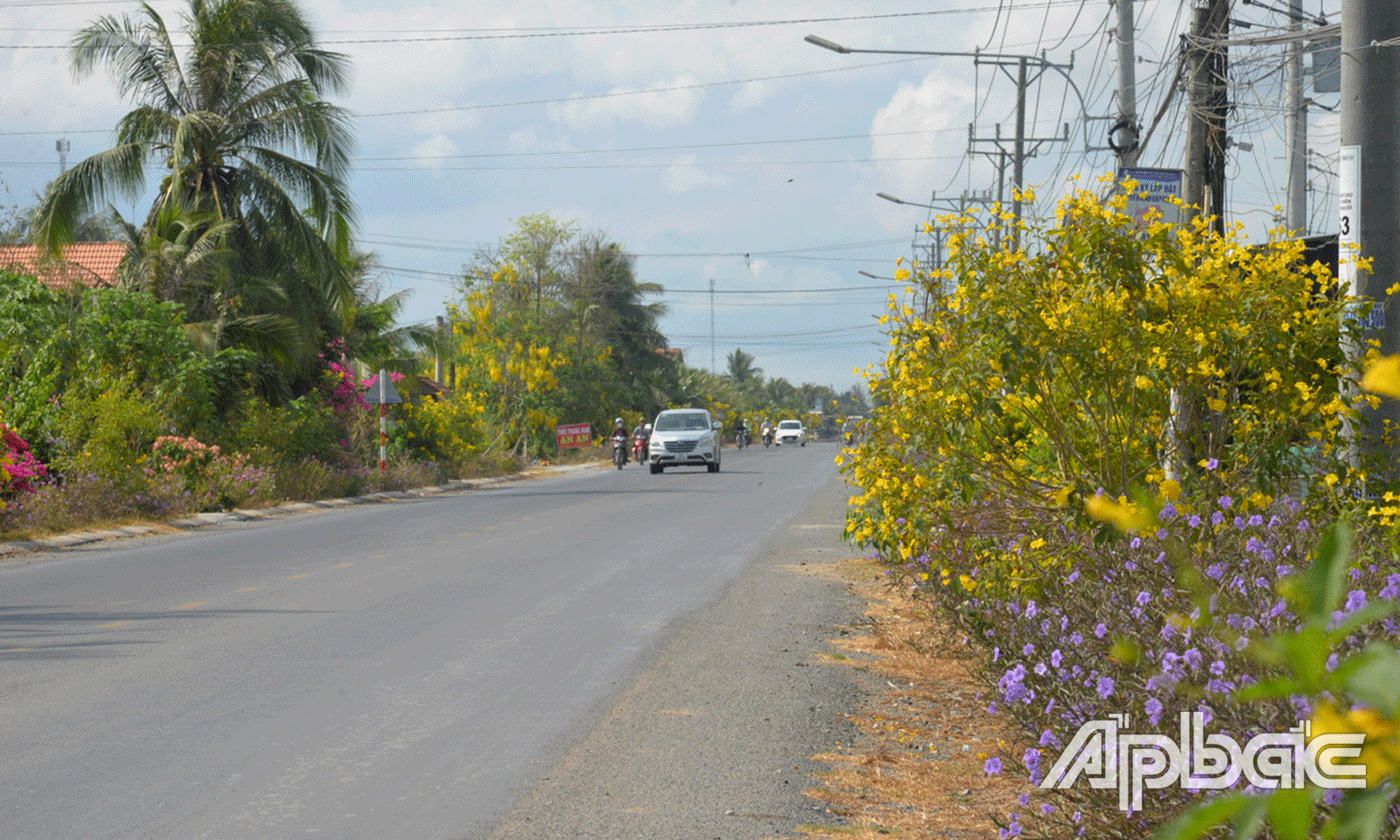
740 426
767 428
641 436
619 437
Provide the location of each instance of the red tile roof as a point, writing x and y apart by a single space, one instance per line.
83 264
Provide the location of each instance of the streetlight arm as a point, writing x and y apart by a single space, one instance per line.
825 44
991 58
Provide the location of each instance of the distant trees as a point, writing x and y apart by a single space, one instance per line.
554 326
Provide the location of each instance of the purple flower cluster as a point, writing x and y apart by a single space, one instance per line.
1119 631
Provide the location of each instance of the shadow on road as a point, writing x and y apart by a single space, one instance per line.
54 632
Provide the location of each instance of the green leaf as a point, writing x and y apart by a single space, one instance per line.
1366 615
1290 814
1305 654
1361 816
1376 681
1202 818
1249 820
1326 578
1268 690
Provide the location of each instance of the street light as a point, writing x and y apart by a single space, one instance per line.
897 200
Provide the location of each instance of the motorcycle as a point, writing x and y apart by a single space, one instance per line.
741 438
639 448
619 443
767 438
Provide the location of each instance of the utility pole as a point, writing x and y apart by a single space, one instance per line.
1126 132
713 369
1296 114
1022 147
1209 104
1368 190
62 147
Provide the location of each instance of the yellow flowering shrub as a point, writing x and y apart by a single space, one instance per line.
450 430
1095 358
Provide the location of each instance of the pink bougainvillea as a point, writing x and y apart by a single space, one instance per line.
18 466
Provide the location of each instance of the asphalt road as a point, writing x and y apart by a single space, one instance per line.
599 654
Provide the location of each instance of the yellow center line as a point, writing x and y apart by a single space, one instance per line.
248 589
112 624
298 577
467 534
341 565
20 649
191 605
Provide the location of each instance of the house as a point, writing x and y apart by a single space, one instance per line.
83 264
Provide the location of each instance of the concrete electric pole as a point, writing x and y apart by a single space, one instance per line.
1126 132
1296 218
1368 186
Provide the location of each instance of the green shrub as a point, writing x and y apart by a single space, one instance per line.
110 434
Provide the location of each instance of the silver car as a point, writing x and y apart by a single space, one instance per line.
684 437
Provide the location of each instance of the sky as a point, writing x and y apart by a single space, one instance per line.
707 138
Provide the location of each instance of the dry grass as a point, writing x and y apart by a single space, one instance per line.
917 770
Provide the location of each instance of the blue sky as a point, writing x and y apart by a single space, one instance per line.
706 137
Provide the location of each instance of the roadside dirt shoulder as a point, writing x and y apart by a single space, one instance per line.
916 766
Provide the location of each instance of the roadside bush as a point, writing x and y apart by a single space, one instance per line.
405 474
1047 377
210 479
86 501
109 434
1019 413
449 430
310 479
303 428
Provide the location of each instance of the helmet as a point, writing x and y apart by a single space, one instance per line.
648 427
617 422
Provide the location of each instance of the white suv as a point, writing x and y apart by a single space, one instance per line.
684 437
791 431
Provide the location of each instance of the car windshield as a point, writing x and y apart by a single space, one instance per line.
693 422
789 424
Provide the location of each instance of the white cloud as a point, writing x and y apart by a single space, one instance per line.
430 153
684 175
659 106
919 124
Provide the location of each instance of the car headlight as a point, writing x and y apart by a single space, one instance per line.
707 439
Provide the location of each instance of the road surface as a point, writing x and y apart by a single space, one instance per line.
496 663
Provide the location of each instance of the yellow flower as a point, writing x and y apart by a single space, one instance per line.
1143 383
1383 377
1120 514
1380 753
1171 490
1061 496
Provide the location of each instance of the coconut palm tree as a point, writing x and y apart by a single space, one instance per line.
741 369
608 287
229 119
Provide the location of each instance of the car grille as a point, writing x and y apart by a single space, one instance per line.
680 445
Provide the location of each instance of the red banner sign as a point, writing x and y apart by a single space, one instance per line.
574 435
